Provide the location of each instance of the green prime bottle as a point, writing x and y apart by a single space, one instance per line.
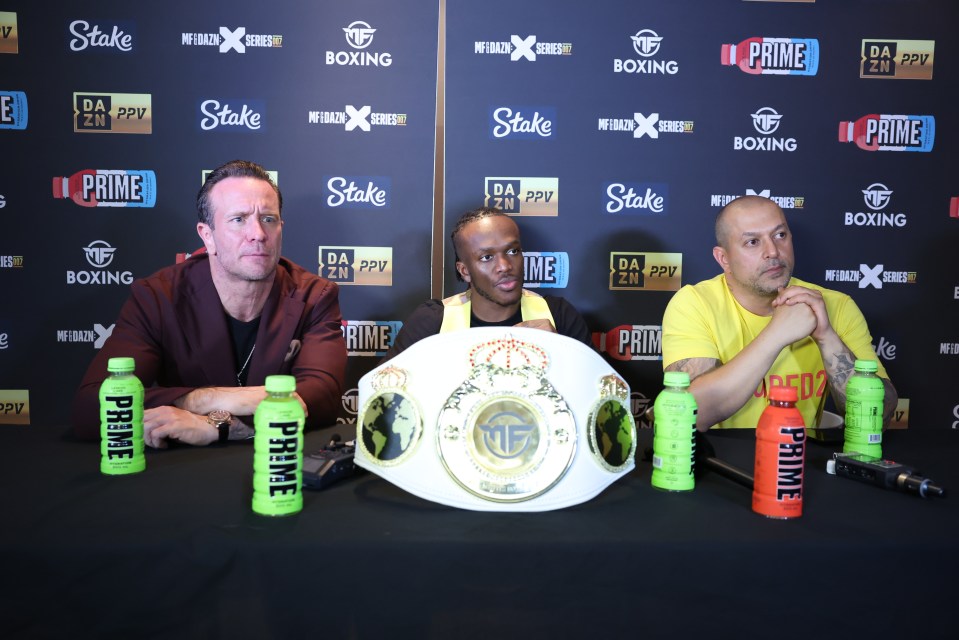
864 408
674 434
121 420
278 450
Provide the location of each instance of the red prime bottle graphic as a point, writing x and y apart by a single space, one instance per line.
773 56
108 188
780 456
881 132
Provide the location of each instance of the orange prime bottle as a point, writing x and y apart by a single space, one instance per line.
780 456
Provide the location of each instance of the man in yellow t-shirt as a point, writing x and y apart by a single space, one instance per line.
755 326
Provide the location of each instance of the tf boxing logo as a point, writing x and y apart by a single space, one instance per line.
545 269
876 132
112 37
645 125
349 401
227 40
358 118
871 276
369 337
372 266
646 44
9 36
631 271
108 188
99 254
357 192
877 197
639 403
773 56
232 115
523 196
635 198
522 48
897 59
14 406
13 110
522 123
766 121
359 36
631 342
112 113
784 202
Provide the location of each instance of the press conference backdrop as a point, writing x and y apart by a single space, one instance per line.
651 115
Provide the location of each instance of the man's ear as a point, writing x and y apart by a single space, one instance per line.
206 234
719 254
463 271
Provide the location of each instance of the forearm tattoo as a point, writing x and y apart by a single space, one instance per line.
838 370
695 367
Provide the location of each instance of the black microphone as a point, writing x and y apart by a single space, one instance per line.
884 473
706 457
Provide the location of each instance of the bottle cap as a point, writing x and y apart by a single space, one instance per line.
121 365
280 384
783 394
867 365
676 379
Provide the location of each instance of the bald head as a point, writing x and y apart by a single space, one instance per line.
738 206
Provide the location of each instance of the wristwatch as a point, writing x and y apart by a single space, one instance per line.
221 419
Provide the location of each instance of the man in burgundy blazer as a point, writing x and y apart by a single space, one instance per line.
205 333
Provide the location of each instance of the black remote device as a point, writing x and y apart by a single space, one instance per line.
329 464
885 473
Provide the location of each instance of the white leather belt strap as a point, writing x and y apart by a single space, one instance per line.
497 419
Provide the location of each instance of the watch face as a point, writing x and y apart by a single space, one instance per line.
219 415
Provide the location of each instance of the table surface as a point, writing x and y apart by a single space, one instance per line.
176 551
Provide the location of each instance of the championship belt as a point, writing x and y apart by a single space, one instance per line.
497 419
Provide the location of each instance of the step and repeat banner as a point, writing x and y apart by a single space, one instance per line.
614 132
111 112
650 115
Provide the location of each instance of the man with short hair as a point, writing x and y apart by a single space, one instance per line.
489 258
755 325
205 333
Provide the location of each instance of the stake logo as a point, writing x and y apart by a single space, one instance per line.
13 110
112 113
522 48
545 269
227 40
877 197
369 337
625 198
784 202
868 276
9 36
14 406
357 192
766 121
99 255
897 59
232 115
631 342
113 37
358 118
646 44
775 56
371 266
522 123
645 125
523 196
359 36
631 271
876 132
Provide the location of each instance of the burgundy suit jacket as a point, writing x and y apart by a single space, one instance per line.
175 328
